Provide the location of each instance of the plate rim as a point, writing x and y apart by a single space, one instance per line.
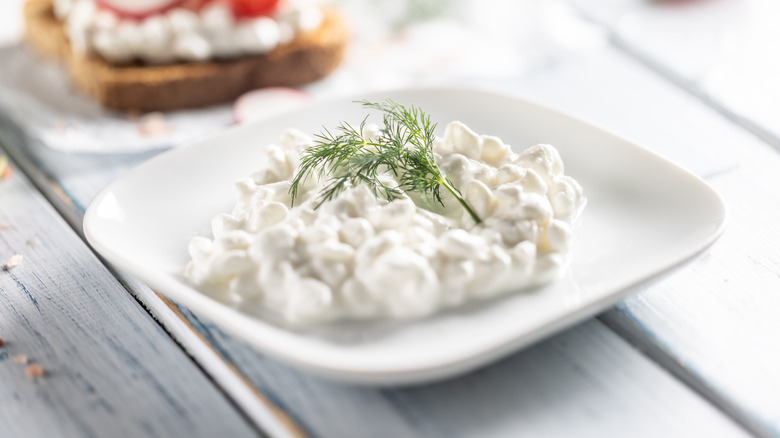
203 305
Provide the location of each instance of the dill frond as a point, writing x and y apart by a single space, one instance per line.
404 149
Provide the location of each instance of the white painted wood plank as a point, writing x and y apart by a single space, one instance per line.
255 405
93 172
110 369
611 90
585 382
723 313
722 51
716 321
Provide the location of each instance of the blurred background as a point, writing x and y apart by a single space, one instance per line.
720 50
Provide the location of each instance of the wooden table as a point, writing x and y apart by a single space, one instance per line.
695 354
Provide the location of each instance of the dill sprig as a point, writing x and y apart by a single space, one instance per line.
404 149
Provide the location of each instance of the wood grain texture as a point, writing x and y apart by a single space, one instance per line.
110 369
723 314
256 405
720 336
46 167
719 51
716 321
587 376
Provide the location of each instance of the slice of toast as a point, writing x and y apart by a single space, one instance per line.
310 56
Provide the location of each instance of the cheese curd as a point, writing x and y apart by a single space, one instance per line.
359 256
182 34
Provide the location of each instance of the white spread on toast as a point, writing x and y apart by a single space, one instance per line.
359 256
181 34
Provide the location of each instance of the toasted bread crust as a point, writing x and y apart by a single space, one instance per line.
310 56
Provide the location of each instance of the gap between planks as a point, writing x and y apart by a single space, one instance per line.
631 332
618 321
252 403
293 428
683 84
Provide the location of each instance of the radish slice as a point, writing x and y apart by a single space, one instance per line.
254 8
137 9
266 102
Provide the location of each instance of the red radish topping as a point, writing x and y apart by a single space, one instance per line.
267 102
253 8
137 9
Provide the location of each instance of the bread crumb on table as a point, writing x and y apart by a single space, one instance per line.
6 170
34 371
20 359
153 124
2 342
14 261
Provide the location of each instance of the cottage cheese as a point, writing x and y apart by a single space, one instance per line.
358 256
181 34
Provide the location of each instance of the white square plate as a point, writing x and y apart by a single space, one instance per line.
644 217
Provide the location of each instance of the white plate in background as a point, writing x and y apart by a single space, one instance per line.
644 217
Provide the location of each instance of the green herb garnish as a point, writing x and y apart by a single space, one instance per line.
404 148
